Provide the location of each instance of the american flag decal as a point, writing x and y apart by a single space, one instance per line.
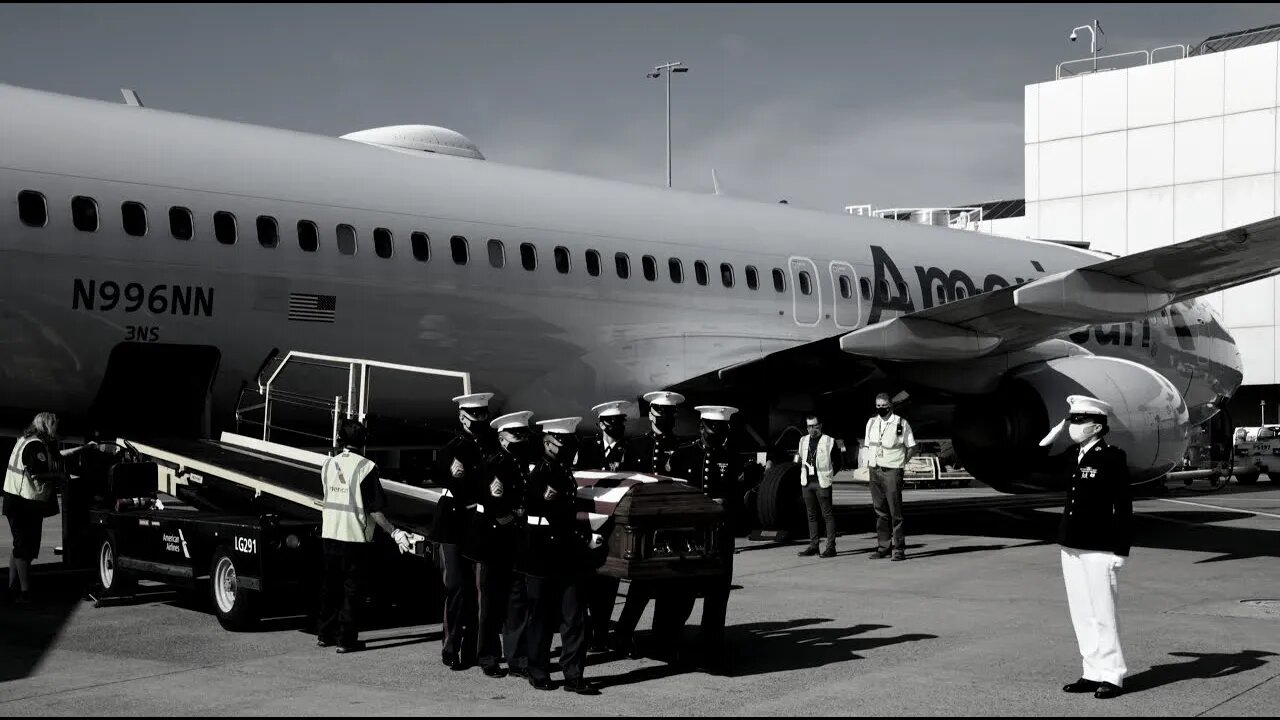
305 307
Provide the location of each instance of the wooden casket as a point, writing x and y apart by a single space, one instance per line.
655 528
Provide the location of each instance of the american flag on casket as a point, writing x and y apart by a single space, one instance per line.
599 492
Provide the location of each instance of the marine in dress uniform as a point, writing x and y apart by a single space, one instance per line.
492 541
1095 537
608 453
553 561
649 453
464 472
711 465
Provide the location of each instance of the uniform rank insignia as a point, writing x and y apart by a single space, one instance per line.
1088 472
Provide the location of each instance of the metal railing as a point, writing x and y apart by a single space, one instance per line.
356 400
961 218
1100 64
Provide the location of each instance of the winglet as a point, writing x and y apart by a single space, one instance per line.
131 97
715 182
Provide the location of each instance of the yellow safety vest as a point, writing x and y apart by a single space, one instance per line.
886 443
18 481
822 463
344 517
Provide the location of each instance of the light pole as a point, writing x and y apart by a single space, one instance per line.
675 67
1095 30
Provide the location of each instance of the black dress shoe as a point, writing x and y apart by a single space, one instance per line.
543 684
808 552
580 686
879 554
451 660
1107 690
1081 686
495 671
830 552
356 646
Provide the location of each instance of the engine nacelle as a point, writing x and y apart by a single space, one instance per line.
997 436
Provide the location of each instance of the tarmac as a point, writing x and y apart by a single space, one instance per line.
974 622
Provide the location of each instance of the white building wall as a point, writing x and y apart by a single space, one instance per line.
1134 159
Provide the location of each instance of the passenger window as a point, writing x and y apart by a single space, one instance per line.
593 263
84 213
961 294
623 264
421 245
884 290
700 272
458 248
865 284
753 278
528 256
181 226
268 231
846 287
806 287
346 239
308 236
650 265
779 280
32 209
902 290
383 243
133 216
497 254
726 274
562 260
676 270
224 227
942 294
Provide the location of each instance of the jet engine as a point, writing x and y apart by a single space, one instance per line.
997 436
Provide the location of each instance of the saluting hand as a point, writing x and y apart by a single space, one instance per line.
457 469
495 488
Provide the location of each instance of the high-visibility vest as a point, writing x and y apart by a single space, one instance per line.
821 463
344 517
18 481
887 441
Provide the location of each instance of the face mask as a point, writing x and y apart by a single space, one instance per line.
664 423
614 430
883 412
518 448
1082 432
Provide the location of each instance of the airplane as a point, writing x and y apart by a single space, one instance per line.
138 228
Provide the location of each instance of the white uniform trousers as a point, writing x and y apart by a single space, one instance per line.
1090 577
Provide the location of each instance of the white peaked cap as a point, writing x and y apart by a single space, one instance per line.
1085 405
512 420
614 407
716 412
662 397
560 425
478 400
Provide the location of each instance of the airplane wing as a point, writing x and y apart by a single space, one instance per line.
1126 288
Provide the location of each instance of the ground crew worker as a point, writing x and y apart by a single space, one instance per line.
553 561
353 502
889 445
1095 537
710 464
649 453
464 472
819 460
492 543
609 453
30 495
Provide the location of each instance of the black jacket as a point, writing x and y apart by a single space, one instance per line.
559 546
650 453
453 515
718 471
592 456
1099 510
490 540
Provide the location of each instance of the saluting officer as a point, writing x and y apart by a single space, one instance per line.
1095 536
553 561
492 542
710 464
648 453
609 453
465 474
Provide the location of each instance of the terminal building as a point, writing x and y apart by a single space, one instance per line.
1151 148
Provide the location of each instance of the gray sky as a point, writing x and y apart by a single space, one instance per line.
823 105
